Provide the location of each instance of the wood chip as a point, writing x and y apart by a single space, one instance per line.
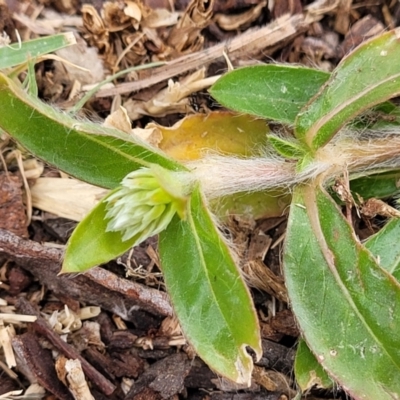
165 377
41 326
12 210
29 352
76 380
97 286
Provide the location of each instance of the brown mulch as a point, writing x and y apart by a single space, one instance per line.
117 319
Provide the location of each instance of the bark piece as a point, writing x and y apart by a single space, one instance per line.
12 210
362 30
122 340
165 377
283 7
41 326
6 22
97 286
248 396
101 361
38 361
343 14
200 376
284 322
18 280
107 327
276 357
269 333
117 366
7 384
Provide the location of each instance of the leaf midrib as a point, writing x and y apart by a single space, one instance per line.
310 202
203 262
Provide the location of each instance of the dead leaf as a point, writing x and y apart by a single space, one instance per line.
230 22
185 37
173 99
160 17
68 198
119 119
225 132
115 18
373 207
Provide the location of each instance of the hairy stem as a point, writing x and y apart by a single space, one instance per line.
224 175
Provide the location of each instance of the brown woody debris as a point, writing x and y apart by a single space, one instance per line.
276 357
342 20
165 378
373 207
249 44
42 327
6 23
287 6
284 322
139 355
273 381
18 280
97 286
362 30
37 363
230 22
117 365
12 210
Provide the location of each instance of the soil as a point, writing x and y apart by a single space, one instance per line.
117 319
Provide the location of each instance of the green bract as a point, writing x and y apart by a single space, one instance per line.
145 203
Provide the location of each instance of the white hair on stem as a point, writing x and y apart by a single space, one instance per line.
359 152
365 151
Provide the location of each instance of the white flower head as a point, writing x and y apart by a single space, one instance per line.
146 203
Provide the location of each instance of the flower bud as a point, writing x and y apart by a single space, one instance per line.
146 202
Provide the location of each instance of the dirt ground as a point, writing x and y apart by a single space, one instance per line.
117 319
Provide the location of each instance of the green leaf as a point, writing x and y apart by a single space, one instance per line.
276 92
90 152
90 244
346 305
31 83
286 148
308 371
209 296
381 185
20 53
257 205
384 245
383 116
366 77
